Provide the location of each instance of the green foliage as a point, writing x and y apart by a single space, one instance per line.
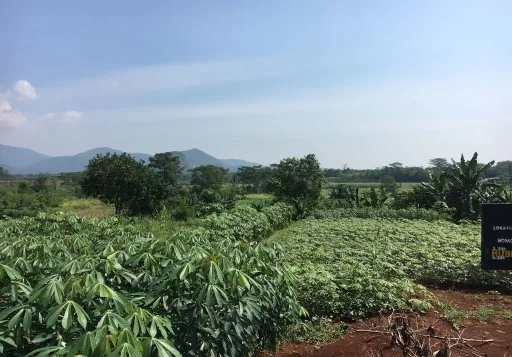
368 212
42 184
347 195
484 313
255 178
72 286
298 181
465 181
439 164
373 199
355 267
321 329
22 201
208 177
71 178
452 315
168 166
279 215
131 186
184 211
388 183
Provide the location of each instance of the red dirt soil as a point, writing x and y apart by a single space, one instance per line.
368 344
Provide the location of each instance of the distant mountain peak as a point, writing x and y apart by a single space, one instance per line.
26 161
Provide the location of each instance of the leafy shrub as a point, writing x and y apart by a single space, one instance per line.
184 211
279 215
240 223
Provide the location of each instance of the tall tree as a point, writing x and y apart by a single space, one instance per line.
131 186
209 177
254 177
168 166
298 181
439 163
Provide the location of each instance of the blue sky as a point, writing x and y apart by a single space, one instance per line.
363 83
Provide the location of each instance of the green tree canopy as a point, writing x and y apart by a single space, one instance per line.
439 163
41 184
298 181
168 166
255 177
388 183
131 186
209 177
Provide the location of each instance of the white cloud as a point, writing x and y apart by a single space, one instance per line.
72 115
25 90
10 118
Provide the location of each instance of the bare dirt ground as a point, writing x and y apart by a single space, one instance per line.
485 330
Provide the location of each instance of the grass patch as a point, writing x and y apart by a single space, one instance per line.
452 315
484 313
319 330
507 314
254 198
88 208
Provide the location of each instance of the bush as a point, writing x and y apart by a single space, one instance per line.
279 215
246 223
242 223
184 211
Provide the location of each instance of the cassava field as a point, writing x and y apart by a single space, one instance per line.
231 283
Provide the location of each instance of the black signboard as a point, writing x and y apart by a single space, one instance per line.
497 236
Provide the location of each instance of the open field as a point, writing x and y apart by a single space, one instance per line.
405 186
366 186
87 207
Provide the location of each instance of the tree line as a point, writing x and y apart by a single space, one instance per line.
158 186
401 173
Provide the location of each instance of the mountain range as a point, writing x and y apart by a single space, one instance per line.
26 161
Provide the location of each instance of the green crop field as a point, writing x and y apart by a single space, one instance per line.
356 267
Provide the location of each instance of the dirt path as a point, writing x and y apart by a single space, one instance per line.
481 316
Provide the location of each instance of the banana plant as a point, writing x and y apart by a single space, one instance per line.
437 187
465 179
375 200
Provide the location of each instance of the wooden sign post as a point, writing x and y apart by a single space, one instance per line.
497 236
